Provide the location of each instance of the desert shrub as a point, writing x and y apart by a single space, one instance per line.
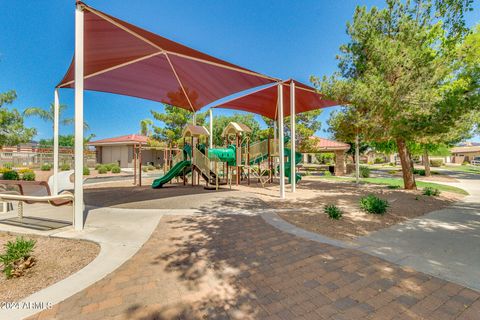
23 170
379 160
102 170
145 169
98 165
46 167
373 204
86 171
109 166
11 175
465 163
327 173
429 191
333 211
65 167
364 172
8 165
392 171
17 257
28 176
116 169
436 163
150 167
391 164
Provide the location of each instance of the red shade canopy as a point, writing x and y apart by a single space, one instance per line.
124 59
264 101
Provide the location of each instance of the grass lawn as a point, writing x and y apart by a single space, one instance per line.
399 182
468 169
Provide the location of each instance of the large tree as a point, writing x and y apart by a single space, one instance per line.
173 121
12 129
220 122
402 74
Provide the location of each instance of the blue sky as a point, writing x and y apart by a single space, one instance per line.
284 39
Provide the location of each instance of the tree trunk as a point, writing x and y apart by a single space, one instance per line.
426 163
405 159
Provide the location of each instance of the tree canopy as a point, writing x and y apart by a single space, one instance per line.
174 120
404 73
12 128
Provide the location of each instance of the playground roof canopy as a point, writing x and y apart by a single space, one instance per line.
191 130
235 127
124 59
264 100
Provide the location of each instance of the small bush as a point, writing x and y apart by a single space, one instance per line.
109 166
65 167
465 163
102 169
364 172
11 175
145 169
327 173
116 169
420 172
436 163
393 187
46 167
23 170
98 165
333 211
429 191
17 257
150 167
373 204
391 164
392 172
86 171
379 160
28 176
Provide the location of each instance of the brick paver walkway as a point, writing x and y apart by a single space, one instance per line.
239 267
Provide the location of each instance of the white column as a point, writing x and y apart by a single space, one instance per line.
194 119
281 146
357 159
211 127
292 130
78 183
56 106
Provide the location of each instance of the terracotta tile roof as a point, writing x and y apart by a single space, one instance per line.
326 144
465 149
128 139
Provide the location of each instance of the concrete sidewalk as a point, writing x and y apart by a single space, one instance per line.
444 243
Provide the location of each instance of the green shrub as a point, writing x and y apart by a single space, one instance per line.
392 171
373 204
102 169
379 160
391 164
65 167
11 175
17 251
333 211
109 166
420 172
86 171
465 163
364 172
8 165
28 176
98 165
116 169
46 167
393 187
150 167
23 170
145 169
429 191
436 163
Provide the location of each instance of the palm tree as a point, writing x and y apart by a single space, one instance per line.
49 115
145 127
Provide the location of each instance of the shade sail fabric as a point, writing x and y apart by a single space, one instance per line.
124 59
264 101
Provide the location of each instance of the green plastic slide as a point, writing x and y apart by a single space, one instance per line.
298 158
176 171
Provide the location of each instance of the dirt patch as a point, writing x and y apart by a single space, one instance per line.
305 207
57 258
42 175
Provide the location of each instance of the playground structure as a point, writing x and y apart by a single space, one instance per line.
237 161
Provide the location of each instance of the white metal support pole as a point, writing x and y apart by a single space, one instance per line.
194 119
281 146
210 112
56 106
292 129
78 183
357 159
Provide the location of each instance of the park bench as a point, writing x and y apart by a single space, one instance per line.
32 192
